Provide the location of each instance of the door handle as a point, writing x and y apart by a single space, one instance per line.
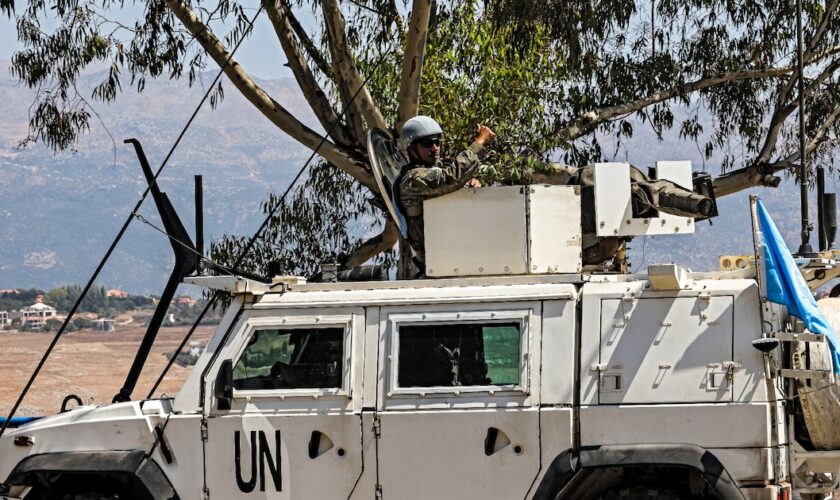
490 440
495 440
320 443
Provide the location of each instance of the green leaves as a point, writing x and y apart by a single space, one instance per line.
474 75
541 73
324 219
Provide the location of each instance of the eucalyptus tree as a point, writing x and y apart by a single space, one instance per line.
636 62
552 77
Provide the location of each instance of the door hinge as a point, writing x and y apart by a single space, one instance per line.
205 493
204 429
378 494
377 427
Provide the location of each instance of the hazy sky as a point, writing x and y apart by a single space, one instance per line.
260 55
8 42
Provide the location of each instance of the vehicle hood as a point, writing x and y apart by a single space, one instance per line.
121 426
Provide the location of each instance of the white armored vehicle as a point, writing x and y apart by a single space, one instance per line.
509 373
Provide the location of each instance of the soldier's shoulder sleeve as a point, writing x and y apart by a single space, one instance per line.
417 182
470 155
464 167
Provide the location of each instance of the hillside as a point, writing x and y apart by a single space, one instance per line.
60 211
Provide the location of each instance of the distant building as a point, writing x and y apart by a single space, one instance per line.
10 291
36 315
116 292
5 321
185 300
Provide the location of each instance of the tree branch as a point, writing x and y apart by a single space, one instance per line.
764 174
821 29
279 12
744 178
354 120
311 50
395 16
272 110
780 114
819 56
586 122
819 137
382 242
346 73
415 49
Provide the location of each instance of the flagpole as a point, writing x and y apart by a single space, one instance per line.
758 249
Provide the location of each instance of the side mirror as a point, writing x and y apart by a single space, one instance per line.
223 388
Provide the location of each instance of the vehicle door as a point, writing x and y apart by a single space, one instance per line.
655 347
459 400
292 429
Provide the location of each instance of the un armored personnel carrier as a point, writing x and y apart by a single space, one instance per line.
510 372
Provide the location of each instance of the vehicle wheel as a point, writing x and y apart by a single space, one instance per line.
91 495
641 493
76 494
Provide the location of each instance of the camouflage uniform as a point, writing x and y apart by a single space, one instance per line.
418 183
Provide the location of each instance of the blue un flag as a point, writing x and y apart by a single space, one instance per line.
786 286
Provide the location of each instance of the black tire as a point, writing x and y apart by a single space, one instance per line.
89 495
79 489
641 493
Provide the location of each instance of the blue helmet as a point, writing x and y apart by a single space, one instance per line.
418 128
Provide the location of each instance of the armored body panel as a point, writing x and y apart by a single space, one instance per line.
478 383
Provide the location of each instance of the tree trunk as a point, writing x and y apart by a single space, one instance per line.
270 108
382 242
415 48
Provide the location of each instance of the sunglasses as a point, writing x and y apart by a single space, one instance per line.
427 143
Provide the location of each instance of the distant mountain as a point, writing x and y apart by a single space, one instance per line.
728 234
59 212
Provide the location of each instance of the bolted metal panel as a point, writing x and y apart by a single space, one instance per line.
666 350
475 232
504 230
554 232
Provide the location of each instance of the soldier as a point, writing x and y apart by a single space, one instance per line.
423 178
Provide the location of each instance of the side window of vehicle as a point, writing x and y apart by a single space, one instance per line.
291 358
459 354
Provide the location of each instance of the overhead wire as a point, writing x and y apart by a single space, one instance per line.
190 248
122 231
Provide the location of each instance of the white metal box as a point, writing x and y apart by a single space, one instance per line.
503 230
613 206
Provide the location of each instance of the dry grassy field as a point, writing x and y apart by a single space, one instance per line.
89 364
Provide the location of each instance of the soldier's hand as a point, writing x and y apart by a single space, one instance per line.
473 183
483 134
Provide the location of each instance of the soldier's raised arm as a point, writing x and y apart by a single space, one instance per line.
444 180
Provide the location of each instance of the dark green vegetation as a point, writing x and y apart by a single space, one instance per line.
64 297
554 78
183 310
